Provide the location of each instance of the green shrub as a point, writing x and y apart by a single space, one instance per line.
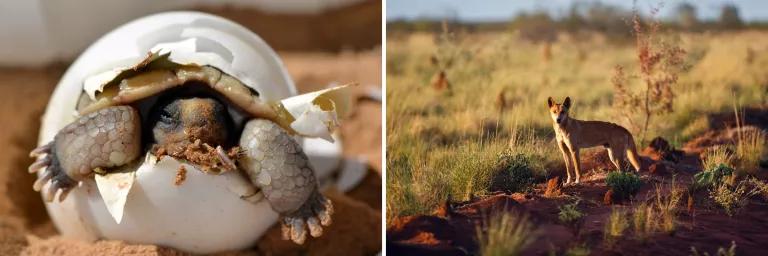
623 184
569 214
712 177
513 173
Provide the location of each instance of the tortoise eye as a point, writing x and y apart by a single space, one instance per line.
167 117
170 114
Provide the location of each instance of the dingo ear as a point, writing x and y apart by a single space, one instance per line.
567 102
550 102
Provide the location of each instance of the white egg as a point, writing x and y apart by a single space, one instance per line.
201 215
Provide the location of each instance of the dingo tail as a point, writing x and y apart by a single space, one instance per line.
632 154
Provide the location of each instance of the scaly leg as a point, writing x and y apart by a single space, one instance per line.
107 138
276 164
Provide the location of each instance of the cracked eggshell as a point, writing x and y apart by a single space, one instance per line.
201 215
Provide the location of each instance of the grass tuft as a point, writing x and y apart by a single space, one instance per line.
615 226
578 250
667 202
644 221
660 214
732 196
504 233
570 215
750 149
750 144
716 156
731 251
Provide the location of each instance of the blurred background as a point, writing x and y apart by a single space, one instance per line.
604 16
320 41
471 82
59 31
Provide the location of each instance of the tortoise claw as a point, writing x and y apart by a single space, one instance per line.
50 193
56 180
47 175
39 164
43 155
53 175
44 149
312 216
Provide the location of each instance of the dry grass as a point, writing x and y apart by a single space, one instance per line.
432 178
715 156
578 250
721 251
466 129
750 144
615 225
667 202
733 195
504 233
644 221
761 187
660 214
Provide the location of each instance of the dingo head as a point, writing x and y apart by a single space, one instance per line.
559 112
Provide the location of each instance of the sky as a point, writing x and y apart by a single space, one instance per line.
501 10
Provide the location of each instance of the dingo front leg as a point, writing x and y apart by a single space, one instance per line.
566 157
576 163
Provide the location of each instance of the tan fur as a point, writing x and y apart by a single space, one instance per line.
573 135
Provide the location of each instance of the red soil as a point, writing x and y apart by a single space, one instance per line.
699 223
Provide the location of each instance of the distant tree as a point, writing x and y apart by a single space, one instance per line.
686 16
729 17
607 18
536 27
574 21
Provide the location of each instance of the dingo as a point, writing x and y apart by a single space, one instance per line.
573 135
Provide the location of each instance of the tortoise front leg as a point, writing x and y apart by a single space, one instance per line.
107 138
276 164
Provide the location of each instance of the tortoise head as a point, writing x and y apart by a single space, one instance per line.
182 120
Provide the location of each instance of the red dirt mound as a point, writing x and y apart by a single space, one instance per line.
699 223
